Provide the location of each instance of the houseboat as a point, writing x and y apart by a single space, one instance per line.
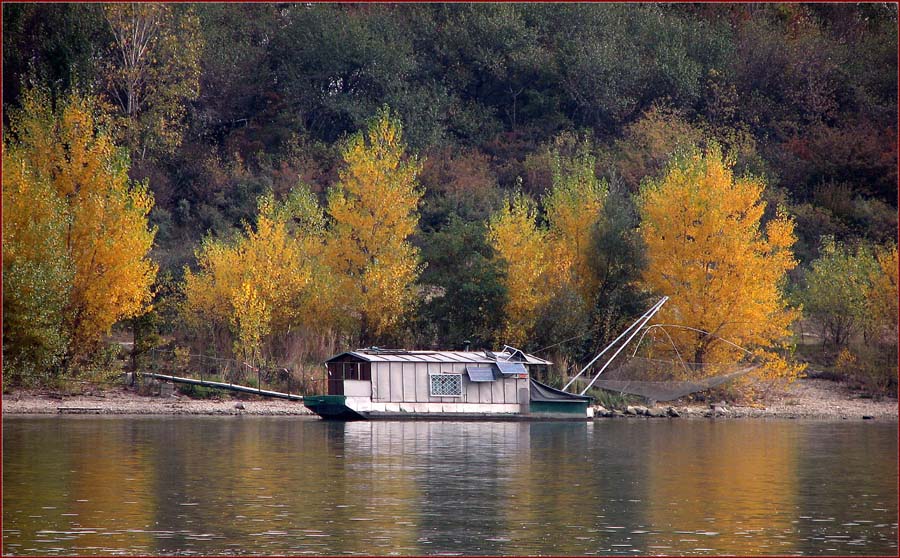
390 383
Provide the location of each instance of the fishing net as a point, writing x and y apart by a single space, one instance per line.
655 369
640 376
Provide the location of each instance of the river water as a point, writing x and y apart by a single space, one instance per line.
266 485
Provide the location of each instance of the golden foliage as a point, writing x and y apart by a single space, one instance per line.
107 236
374 211
251 320
515 237
267 280
882 366
573 209
542 261
705 250
37 271
883 295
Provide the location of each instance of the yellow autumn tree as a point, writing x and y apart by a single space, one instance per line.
883 295
880 361
37 272
374 210
266 280
107 238
573 208
543 261
521 244
706 250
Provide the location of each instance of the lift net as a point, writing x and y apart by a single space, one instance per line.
655 369
633 377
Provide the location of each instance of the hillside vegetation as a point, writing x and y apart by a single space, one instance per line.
277 182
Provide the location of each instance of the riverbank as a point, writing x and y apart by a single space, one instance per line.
807 398
121 401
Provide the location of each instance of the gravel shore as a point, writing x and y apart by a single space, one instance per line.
119 401
806 398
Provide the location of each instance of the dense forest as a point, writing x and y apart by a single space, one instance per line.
275 182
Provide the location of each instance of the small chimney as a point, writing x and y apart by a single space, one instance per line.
466 344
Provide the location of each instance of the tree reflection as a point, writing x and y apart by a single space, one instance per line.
723 487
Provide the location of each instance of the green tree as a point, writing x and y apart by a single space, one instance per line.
152 71
464 285
837 289
55 44
617 262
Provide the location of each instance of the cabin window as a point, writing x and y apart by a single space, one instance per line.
350 371
446 385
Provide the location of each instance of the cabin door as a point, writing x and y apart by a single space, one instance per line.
335 379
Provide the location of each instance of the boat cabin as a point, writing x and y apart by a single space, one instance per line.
389 382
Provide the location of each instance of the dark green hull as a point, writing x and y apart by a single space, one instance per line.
331 407
560 409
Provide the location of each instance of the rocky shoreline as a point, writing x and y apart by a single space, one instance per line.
805 399
808 398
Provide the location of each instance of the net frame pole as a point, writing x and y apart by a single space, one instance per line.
644 319
651 311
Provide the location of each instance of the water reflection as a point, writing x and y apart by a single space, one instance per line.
737 495
244 485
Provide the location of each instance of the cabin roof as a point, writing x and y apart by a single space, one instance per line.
469 357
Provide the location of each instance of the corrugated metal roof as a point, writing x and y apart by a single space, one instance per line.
474 357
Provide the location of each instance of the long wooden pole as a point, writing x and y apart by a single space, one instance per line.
649 312
646 318
222 385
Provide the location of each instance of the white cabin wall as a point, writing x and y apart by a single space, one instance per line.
357 388
470 390
485 392
409 381
422 387
509 391
396 382
497 391
381 373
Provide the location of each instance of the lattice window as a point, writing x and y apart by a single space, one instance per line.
446 385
